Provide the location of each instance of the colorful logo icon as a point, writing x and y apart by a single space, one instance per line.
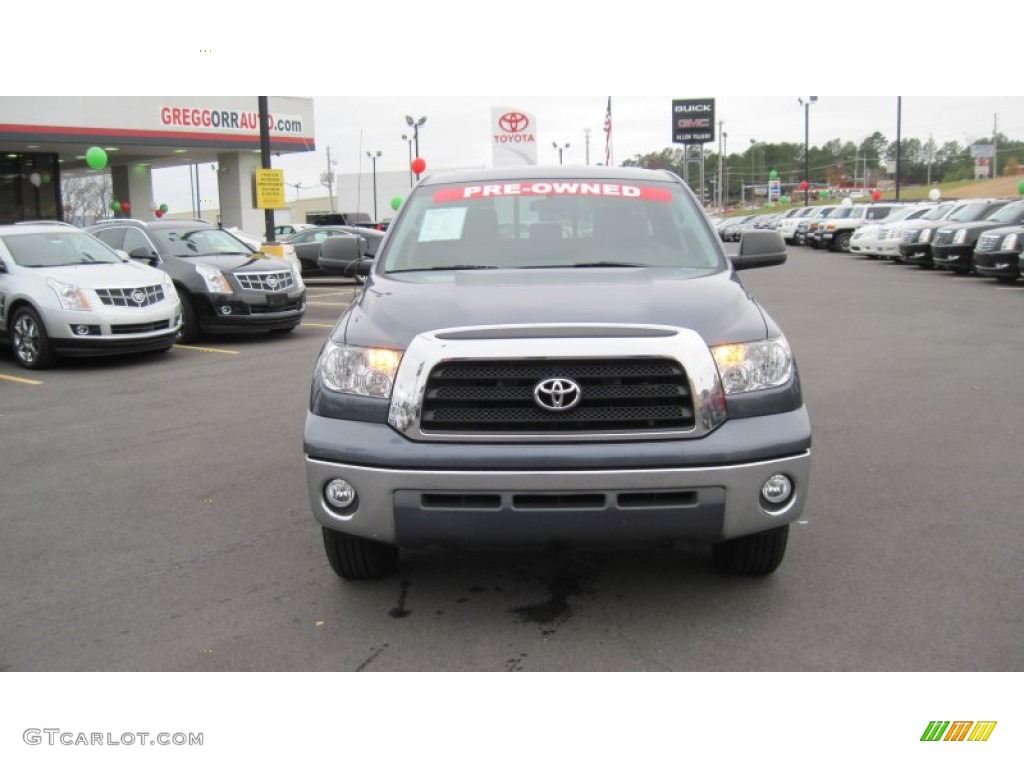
958 730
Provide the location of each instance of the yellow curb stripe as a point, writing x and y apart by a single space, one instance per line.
317 325
207 349
18 379
331 293
327 303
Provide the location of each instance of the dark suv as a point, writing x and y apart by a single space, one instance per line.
953 245
224 284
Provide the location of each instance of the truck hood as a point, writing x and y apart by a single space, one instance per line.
393 309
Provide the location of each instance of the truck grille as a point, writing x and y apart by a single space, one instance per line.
497 396
131 297
265 281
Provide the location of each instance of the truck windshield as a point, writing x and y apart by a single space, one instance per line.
533 223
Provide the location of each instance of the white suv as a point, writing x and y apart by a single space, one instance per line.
63 292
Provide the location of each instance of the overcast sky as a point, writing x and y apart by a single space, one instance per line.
452 60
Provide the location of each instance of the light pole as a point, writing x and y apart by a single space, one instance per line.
561 148
807 135
415 125
586 136
373 158
408 140
754 151
725 167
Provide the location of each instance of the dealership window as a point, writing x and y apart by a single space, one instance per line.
29 187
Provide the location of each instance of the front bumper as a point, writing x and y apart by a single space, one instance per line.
251 311
960 256
916 253
113 330
522 495
997 264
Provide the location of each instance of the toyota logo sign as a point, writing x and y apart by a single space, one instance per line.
557 394
514 122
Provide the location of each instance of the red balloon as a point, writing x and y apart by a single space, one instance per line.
419 165
125 207
803 186
876 195
159 213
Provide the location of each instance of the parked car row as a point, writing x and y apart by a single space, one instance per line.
982 236
126 285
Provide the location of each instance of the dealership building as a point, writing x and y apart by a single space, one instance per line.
46 139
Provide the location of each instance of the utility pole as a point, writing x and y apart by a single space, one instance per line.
995 145
721 170
327 179
586 135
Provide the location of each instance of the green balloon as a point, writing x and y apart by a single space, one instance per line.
784 200
822 194
1020 188
115 206
163 208
96 158
396 203
773 175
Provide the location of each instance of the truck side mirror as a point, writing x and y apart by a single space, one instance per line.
759 248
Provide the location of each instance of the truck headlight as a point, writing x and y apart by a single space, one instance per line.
960 237
214 279
69 295
1009 243
367 371
754 366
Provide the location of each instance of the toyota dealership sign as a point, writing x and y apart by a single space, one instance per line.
514 137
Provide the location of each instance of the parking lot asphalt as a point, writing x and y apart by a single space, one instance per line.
154 514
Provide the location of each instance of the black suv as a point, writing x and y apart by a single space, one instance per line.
224 285
953 245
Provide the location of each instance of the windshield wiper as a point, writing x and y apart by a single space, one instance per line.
608 264
449 267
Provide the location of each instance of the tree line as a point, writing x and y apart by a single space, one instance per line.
835 163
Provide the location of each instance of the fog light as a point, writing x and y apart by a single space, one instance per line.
82 330
225 310
339 494
777 490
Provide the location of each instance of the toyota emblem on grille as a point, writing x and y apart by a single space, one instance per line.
139 296
557 394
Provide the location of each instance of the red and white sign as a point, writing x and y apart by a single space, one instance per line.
548 188
513 137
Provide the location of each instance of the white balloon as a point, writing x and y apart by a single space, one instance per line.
935 194
847 201
36 179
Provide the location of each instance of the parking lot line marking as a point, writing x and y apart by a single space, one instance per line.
334 293
328 303
18 379
207 349
318 325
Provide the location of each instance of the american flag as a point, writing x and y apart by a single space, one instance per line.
608 134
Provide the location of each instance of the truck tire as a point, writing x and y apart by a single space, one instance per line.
357 559
842 242
756 555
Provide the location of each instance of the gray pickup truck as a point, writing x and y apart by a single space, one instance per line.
556 357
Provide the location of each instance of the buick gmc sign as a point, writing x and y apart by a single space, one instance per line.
693 121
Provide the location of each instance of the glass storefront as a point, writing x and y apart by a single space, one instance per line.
29 187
